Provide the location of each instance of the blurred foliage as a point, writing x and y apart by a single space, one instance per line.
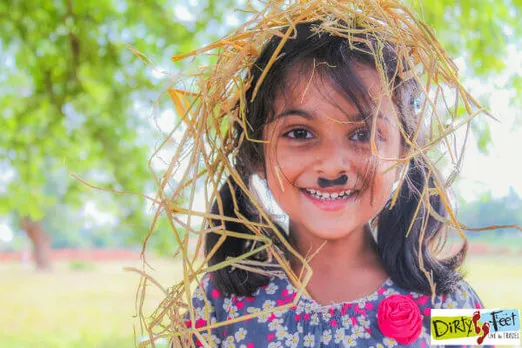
482 33
488 210
478 30
73 96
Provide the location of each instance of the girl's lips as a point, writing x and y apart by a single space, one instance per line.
330 204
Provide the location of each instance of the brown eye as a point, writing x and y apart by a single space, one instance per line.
361 135
299 134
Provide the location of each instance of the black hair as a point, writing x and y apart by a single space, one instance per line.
399 253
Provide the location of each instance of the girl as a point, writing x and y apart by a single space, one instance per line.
333 116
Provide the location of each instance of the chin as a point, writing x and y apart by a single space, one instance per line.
331 232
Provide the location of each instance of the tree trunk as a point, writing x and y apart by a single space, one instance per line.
41 243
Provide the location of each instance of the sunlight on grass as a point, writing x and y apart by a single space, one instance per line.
93 305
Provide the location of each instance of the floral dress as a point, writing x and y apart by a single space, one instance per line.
309 324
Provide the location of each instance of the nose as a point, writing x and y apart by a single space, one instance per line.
332 159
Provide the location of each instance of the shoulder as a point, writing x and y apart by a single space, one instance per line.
464 296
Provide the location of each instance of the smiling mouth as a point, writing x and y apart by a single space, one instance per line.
330 196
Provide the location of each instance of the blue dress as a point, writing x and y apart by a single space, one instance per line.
310 324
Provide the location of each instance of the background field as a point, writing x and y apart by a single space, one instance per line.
91 304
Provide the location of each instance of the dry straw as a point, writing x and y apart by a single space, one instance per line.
207 144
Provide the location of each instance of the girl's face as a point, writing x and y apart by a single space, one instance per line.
318 133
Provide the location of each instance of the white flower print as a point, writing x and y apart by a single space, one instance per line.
290 289
339 335
327 336
309 340
240 334
378 345
268 305
227 303
292 340
213 341
390 291
300 328
359 331
253 310
198 294
228 342
363 321
389 342
281 333
326 316
347 322
271 289
233 312
361 304
204 312
275 324
277 344
314 319
373 297
262 318
449 303
350 341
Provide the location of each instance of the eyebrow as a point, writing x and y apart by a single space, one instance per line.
310 116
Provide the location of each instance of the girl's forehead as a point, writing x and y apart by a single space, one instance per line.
314 91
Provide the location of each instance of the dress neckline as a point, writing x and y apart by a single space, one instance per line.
388 282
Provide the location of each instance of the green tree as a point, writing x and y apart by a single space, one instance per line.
69 99
482 32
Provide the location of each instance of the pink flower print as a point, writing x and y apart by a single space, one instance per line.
307 316
427 311
240 305
297 317
288 300
369 306
188 323
250 299
272 317
234 299
250 345
215 293
333 322
280 302
422 300
368 330
381 291
200 323
271 336
478 305
331 310
359 310
284 293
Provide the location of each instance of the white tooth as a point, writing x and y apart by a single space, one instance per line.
347 192
326 195
313 191
334 195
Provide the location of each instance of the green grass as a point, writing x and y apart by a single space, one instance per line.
94 306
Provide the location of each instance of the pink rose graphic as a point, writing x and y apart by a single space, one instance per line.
400 318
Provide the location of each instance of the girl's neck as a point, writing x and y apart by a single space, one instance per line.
343 270
358 249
